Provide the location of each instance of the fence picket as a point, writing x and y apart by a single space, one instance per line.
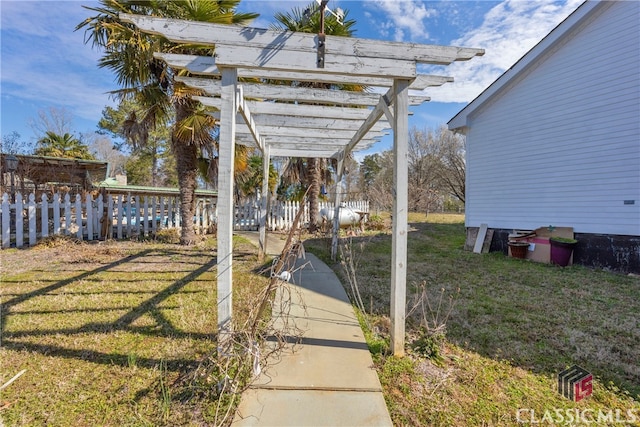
31 215
91 218
119 219
6 221
56 213
19 221
78 213
89 213
44 211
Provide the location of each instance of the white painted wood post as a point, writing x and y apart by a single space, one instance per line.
128 215
89 208
44 215
400 217
155 214
162 212
99 215
31 213
225 203
146 216
264 208
56 214
109 217
336 210
67 214
19 207
6 221
78 206
198 223
138 217
119 219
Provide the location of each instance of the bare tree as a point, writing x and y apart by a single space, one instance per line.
103 149
380 189
14 144
424 169
436 164
453 165
52 119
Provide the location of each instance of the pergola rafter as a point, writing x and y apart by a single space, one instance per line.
297 121
206 65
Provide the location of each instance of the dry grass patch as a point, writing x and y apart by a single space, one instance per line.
113 334
514 326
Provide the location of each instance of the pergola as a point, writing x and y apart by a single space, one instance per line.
295 121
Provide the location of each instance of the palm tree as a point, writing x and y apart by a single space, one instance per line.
67 146
312 172
149 81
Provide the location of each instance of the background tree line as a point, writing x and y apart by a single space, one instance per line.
436 165
164 138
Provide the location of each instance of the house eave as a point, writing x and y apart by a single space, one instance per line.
460 122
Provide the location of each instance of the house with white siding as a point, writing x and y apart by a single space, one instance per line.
555 140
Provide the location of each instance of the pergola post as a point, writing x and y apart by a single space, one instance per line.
266 160
337 199
225 204
400 206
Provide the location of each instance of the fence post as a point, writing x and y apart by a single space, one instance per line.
44 215
109 218
99 217
78 206
89 209
119 218
19 207
170 217
31 213
162 212
56 213
67 214
6 221
147 217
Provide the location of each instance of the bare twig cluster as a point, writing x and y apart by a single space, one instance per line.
228 373
433 315
349 260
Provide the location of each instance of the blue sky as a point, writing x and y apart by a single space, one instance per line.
45 64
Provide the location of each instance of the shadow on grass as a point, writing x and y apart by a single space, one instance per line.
539 317
163 326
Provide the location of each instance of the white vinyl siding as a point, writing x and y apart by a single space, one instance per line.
561 145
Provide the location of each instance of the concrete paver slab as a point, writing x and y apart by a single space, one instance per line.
326 376
311 408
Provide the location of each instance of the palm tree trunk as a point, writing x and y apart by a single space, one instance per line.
187 167
314 193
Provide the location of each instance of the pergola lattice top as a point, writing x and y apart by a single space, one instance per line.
300 121
296 121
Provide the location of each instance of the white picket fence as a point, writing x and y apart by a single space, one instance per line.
25 222
282 214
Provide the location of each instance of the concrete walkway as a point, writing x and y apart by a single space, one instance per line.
327 378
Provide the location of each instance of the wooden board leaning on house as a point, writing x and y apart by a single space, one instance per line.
472 235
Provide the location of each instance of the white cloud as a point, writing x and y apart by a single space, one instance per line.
509 30
46 62
404 17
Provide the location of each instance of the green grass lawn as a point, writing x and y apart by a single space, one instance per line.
115 334
123 333
513 325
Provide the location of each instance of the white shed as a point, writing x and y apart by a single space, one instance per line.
555 140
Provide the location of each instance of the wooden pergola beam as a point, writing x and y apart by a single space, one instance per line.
204 33
206 66
294 94
318 123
